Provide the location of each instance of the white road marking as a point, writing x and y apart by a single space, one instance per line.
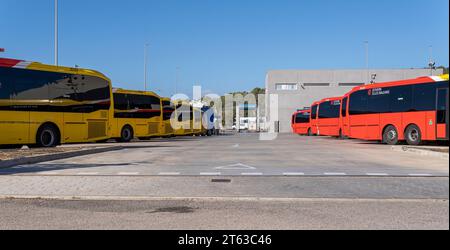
293 174
335 174
377 174
419 175
211 174
237 166
252 174
170 173
128 173
88 173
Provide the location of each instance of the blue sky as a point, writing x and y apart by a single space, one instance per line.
225 45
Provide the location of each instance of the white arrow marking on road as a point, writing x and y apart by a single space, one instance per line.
238 166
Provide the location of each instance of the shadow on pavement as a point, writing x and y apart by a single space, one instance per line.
37 168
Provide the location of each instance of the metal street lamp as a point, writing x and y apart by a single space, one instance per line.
56 33
145 66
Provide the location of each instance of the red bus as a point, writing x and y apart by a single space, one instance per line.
301 122
313 120
328 122
413 110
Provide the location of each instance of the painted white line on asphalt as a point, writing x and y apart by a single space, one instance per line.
169 173
128 173
419 175
252 174
88 173
211 174
377 174
293 174
335 174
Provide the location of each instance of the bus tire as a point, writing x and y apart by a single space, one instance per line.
48 136
390 135
310 132
127 134
413 135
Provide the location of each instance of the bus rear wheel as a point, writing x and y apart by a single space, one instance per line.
390 136
127 134
47 136
413 135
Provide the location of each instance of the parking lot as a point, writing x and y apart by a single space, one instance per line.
242 182
246 155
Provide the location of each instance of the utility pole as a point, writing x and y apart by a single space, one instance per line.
432 63
177 79
145 66
367 61
56 33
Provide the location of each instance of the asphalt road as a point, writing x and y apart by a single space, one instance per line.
231 182
225 215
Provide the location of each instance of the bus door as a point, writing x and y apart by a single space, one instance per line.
442 114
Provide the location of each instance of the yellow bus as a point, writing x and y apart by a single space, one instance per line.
167 110
137 114
183 114
197 122
47 105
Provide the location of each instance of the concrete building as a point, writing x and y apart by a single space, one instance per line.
297 89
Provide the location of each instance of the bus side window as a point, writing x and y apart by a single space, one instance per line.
401 99
344 107
359 103
442 106
425 97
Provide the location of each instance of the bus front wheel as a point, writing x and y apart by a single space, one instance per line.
413 135
390 136
127 134
47 136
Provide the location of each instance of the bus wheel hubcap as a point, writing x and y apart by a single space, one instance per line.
126 134
414 135
47 138
392 135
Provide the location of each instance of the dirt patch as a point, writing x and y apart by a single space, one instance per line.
12 154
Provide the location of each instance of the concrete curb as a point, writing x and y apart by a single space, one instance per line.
56 156
206 199
421 152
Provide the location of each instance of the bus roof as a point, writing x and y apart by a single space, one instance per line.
135 92
418 80
330 99
21 64
302 111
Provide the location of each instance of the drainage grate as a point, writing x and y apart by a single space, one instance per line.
221 180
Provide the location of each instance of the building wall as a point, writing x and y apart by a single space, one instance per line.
314 85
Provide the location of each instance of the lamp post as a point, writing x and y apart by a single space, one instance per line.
367 60
145 66
56 33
